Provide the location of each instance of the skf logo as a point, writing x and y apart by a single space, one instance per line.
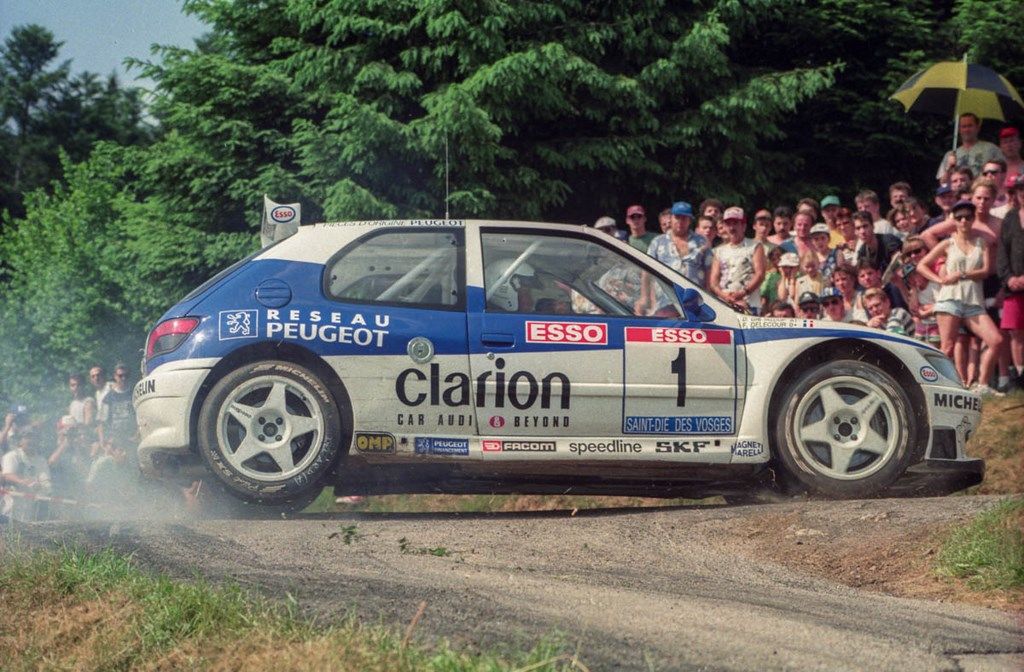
282 214
237 324
375 442
492 446
674 335
583 333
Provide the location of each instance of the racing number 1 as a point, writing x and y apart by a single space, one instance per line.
679 368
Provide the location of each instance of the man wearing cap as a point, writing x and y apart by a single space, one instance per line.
1009 145
972 152
607 225
684 251
809 306
827 257
830 206
945 197
832 306
737 265
639 236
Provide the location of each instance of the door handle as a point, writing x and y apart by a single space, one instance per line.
498 340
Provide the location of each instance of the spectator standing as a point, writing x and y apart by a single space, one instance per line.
1010 269
783 287
844 279
832 307
665 220
996 172
712 207
800 243
763 227
639 236
679 249
921 299
960 179
809 306
972 152
881 314
25 472
899 192
1009 145
782 224
607 225
737 265
119 413
867 201
983 193
945 197
830 207
810 279
707 227
827 257
100 384
848 247
875 249
83 406
969 259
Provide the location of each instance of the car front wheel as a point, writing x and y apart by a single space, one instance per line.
270 431
847 429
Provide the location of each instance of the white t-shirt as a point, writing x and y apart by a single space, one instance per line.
18 463
885 226
736 268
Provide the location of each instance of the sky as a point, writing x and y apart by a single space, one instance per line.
99 34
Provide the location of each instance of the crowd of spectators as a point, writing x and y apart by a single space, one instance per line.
84 459
949 272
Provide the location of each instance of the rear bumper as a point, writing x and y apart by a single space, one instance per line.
938 477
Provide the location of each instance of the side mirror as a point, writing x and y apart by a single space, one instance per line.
694 308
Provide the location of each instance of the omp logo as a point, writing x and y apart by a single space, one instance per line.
674 335
282 213
585 333
375 442
237 324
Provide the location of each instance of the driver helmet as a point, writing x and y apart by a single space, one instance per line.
506 295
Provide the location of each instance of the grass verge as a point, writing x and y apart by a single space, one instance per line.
988 553
70 609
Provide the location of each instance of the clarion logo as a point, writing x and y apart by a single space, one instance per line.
519 389
957 401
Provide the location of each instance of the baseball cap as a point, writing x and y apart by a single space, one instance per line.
829 293
1008 132
808 297
605 222
963 205
635 210
1015 181
682 209
830 200
943 189
789 259
734 213
820 227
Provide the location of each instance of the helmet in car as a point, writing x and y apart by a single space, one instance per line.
505 295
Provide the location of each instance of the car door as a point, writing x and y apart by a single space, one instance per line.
410 281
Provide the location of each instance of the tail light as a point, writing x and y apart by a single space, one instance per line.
169 334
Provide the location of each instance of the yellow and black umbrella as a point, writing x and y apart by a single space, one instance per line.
958 87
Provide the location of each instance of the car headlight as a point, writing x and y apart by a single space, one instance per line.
944 366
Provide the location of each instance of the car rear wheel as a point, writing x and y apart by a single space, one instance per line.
270 431
846 429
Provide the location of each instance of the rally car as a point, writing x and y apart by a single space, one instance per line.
491 356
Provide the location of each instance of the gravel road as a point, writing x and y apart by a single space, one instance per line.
665 589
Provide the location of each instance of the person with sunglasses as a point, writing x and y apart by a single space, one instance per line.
1010 269
960 301
832 305
118 412
639 236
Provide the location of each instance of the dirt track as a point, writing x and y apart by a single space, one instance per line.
681 588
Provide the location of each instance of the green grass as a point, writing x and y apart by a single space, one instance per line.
989 551
149 618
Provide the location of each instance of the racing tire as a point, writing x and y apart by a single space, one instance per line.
270 431
846 429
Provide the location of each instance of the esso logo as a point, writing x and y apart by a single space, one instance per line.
678 335
496 421
584 333
283 213
929 374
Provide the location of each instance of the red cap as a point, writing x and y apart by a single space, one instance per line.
1008 132
635 210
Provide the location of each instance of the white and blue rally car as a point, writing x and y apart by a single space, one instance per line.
490 356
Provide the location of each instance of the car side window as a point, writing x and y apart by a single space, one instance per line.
560 275
407 267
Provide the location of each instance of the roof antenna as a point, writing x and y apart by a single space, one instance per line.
446 185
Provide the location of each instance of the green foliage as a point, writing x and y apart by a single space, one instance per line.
90 267
988 552
988 31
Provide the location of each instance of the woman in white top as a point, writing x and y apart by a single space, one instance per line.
969 259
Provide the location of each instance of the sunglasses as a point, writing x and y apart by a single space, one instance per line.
991 172
808 306
918 250
963 218
637 215
831 302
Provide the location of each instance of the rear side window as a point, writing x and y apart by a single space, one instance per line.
407 267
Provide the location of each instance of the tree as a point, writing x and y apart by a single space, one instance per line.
547 109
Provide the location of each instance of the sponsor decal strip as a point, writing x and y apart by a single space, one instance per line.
429 445
678 336
574 333
676 424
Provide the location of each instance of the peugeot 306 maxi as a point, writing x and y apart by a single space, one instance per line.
490 356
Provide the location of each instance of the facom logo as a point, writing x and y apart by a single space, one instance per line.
492 446
282 213
585 333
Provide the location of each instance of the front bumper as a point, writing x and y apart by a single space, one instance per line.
163 407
